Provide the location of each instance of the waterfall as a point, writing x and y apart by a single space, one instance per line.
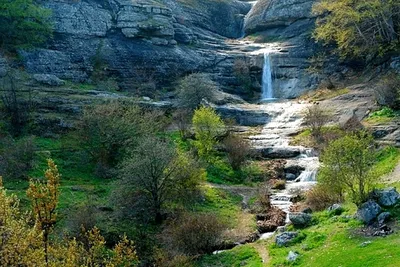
267 88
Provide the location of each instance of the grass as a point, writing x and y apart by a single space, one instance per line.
332 241
245 255
324 94
224 204
382 116
387 160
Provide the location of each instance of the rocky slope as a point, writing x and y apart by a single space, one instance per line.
137 41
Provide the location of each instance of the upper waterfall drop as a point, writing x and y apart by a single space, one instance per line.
267 85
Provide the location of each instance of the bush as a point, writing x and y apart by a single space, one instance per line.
387 91
194 88
109 130
242 72
16 157
320 197
207 127
238 149
315 118
155 175
360 28
348 166
23 23
193 234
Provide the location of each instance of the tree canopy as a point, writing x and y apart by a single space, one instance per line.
23 23
359 28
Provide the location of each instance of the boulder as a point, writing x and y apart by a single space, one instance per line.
307 210
383 217
285 238
280 152
48 79
335 209
290 176
368 211
292 256
266 226
300 219
387 197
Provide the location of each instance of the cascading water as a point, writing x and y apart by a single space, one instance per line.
267 83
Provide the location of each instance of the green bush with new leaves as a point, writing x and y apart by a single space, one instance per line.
359 28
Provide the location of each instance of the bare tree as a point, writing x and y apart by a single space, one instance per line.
316 117
238 149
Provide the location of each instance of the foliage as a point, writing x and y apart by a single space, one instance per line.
238 149
154 174
44 198
387 91
194 88
241 70
321 197
17 103
107 131
16 157
23 23
193 234
387 160
348 166
316 117
207 127
23 242
358 27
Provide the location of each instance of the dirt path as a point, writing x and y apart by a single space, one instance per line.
392 177
262 251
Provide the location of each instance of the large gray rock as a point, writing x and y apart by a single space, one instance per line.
280 14
368 212
48 79
300 219
285 238
387 197
335 209
383 217
292 256
280 152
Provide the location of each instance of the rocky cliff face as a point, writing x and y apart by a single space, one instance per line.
287 23
135 40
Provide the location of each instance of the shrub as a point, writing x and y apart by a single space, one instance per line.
16 157
207 127
348 166
387 91
193 234
242 72
109 130
23 23
359 28
315 118
156 174
238 149
182 118
320 197
194 88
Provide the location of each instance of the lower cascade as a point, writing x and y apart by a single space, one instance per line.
287 118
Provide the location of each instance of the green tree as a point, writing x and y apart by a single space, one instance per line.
155 175
23 23
194 88
358 27
347 167
207 127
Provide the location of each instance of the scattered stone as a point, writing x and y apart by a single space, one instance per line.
300 219
307 210
290 177
383 230
336 209
364 244
368 211
292 256
383 217
285 238
387 197
48 79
